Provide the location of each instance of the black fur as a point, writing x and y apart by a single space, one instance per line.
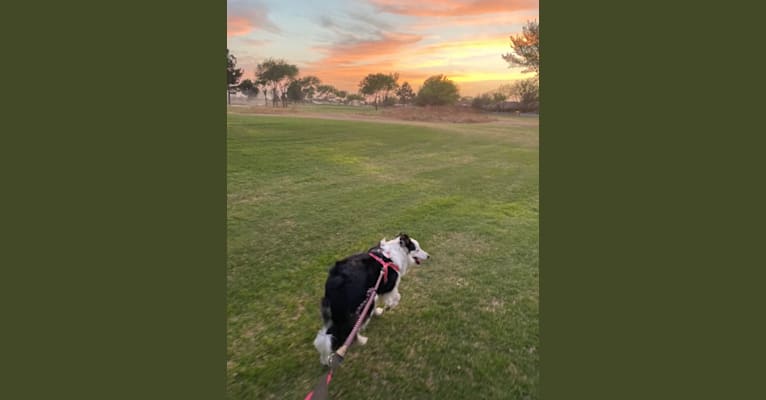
406 242
346 288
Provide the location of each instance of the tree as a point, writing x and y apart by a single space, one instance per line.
526 49
303 88
354 96
325 91
498 97
436 91
232 75
405 93
264 88
309 86
481 102
528 93
378 85
248 88
295 91
506 90
277 74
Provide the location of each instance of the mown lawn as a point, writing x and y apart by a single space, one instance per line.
303 193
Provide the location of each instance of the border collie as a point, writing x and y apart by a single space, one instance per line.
347 285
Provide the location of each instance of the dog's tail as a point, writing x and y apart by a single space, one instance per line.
323 344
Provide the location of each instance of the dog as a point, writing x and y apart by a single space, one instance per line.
348 282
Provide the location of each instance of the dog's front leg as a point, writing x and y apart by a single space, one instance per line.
393 299
390 300
378 311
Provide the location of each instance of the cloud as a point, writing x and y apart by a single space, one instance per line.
499 19
370 21
468 46
443 8
351 27
347 62
250 42
327 22
348 53
243 17
238 26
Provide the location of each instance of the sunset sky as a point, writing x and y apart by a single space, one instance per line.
341 41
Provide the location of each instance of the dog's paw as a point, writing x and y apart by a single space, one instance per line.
392 302
379 311
361 339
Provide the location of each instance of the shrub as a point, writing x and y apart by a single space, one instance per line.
437 91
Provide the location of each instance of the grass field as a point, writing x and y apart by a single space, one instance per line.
303 193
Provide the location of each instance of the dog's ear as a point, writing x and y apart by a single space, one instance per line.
405 241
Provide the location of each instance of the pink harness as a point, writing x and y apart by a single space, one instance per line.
385 266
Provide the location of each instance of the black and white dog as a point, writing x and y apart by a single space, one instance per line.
347 285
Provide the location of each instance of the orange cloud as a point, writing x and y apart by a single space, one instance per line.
346 64
242 19
238 26
501 19
365 50
468 46
425 8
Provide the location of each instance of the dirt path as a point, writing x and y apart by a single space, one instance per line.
502 121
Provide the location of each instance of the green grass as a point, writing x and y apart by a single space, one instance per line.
303 193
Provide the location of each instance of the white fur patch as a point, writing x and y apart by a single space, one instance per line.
323 344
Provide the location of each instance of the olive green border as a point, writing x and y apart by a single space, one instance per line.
114 187
113 174
648 202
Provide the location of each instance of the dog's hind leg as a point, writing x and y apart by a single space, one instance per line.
378 311
361 339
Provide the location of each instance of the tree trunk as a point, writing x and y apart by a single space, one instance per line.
228 96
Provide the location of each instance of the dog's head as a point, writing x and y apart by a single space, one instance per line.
404 250
411 246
